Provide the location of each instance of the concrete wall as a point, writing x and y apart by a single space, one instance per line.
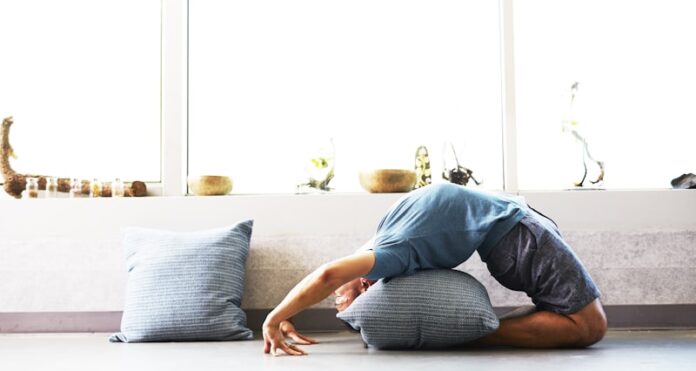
63 255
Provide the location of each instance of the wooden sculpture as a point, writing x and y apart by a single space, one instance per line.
571 125
16 183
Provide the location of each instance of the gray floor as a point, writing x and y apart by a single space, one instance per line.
620 350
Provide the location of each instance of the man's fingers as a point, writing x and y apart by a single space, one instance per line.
301 339
299 352
308 339
266 346
288 349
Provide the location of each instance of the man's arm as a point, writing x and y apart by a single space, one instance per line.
312 289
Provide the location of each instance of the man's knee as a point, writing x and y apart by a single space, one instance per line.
595 330
591 323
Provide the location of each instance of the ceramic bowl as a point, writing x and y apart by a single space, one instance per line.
210 185
388 180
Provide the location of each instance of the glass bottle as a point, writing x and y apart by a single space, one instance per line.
95 188
51 187
32 188
319 169
75 188
106 189
117 189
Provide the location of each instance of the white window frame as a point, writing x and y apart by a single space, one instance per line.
591 209
174 101
507 56
174 97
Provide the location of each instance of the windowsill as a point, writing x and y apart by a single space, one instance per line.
155 189
339 212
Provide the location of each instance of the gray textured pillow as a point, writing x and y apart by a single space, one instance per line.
185 286
427 310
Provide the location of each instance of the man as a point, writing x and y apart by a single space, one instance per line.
440 226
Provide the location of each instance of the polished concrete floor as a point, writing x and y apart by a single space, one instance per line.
620 350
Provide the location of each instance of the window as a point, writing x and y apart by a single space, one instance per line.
635 64
82 80
272 82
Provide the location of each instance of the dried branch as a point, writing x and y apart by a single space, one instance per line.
16 183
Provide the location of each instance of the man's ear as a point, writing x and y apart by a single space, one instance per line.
365 284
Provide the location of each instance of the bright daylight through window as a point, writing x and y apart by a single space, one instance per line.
82 80
274 84
283 94
635 68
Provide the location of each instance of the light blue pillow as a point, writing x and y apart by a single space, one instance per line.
185 286
430 309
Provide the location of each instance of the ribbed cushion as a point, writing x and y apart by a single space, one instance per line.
185 286
430 309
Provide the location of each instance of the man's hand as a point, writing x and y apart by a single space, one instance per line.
274 339
288 330
311 290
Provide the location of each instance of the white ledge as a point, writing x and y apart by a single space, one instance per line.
333 213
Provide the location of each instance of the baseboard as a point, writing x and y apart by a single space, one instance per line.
619 317
30 322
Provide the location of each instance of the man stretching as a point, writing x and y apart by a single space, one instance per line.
440 226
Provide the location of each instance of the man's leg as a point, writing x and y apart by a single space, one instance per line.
550 330
534 258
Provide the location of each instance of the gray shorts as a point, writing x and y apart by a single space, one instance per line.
533 258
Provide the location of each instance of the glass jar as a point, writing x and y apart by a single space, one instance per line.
75 188
106 189
32 188
51 187
318 169
117 188
95 188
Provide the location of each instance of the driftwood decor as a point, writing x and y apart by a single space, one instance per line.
16 183
571 125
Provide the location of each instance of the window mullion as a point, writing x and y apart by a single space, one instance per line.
174 96
510 183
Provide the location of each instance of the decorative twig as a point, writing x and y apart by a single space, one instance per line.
16 183
460 174
572 126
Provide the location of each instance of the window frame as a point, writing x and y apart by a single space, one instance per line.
176 19
174 105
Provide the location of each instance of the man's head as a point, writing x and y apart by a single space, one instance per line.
349 291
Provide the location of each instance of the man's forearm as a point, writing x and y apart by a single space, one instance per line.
320 284
311 290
